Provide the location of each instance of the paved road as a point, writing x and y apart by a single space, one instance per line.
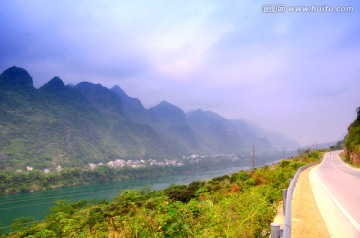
336 188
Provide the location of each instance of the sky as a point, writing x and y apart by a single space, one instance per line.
296 73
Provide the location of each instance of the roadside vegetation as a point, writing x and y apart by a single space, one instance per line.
351 154
238 205
352 141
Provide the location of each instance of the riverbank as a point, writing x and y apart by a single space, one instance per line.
242 204
12 182
38 204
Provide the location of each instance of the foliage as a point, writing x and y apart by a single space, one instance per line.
183 193
20 223
352 141
238 205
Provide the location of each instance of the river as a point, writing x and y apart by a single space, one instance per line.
37 204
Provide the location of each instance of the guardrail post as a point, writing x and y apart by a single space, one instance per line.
284 193
275 230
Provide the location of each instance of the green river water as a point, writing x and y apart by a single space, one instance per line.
37 204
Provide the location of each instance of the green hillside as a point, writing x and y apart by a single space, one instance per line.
58 125
72 126
352 141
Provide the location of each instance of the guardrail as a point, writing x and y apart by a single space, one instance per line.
287 199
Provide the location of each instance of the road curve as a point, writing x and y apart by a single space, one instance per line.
336 188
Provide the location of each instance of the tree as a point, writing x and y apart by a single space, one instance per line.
358 114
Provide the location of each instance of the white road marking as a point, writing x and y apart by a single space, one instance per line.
337 222
343 210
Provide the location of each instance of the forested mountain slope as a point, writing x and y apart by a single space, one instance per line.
61 125
89 123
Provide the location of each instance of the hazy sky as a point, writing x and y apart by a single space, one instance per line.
295 73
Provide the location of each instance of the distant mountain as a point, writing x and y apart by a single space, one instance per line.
168 121
223 135
132 107
168 114
69 126
102 98
277 140
214 132
59 124
251 137
54 85
171 122
16 78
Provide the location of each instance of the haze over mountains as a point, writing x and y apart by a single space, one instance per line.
75 125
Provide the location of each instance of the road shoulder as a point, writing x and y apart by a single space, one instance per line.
306 217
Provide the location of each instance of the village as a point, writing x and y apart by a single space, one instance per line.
136 164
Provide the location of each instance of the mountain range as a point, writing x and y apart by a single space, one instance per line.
59 124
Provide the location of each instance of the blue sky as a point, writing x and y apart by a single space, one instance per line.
295 73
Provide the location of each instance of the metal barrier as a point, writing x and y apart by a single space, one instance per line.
287 211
